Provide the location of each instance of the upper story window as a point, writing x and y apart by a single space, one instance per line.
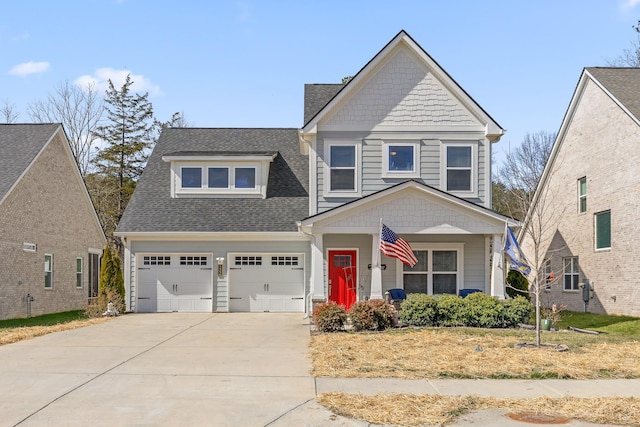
582 195
460 168
401 160
342 170
206 175
603 230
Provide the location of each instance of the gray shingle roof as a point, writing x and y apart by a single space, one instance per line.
623 83
19 145
152 209
317 96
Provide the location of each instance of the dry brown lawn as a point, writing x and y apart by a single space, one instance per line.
11 335
467 353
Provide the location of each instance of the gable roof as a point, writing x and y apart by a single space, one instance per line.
152 210
20 144
620 84
493 130
317 96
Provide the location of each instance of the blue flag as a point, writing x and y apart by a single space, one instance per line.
517 260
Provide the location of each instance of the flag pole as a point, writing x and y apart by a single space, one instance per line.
379 238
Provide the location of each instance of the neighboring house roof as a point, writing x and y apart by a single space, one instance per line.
493 129
317 96
152 210
622 86
20 144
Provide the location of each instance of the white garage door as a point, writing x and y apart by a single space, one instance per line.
266 282
181 282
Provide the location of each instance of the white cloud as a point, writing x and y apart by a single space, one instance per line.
27 68
100 79
630 4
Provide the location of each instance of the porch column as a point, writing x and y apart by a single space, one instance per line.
497 268
376 271
317 268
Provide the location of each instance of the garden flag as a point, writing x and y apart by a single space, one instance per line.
396 247
517 260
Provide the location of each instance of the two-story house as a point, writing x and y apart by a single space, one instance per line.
50 236
279 219
585 227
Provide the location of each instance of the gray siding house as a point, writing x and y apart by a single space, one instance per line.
281 219
587 196
50 236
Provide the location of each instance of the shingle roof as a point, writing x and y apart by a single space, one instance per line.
623 83
152 209
317 96
19 145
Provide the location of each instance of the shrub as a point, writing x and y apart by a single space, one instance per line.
451 311
371 315
419 310
516 280
515 311
329 317
99 306
482 310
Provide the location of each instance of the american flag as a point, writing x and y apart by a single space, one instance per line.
396 247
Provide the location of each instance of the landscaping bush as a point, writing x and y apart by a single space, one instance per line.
515 311
329 317
516 280
482 310
419 310
371 315
451 311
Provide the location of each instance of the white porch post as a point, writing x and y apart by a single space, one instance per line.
127 276
376 271
317 268
497 268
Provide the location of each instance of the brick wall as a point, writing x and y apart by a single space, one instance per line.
48 207
600 144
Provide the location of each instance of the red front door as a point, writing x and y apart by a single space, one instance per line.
342 277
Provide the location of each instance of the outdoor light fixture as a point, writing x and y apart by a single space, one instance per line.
220 262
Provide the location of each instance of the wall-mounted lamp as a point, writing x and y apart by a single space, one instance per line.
220 263
382 266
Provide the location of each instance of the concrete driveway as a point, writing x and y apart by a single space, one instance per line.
160 370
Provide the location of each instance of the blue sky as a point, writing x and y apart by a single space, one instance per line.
245 63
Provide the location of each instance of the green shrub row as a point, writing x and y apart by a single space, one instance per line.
476 310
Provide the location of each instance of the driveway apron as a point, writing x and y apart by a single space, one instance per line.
160 369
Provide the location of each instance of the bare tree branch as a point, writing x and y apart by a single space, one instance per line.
8 112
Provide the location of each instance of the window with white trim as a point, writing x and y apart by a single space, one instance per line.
48 271
342 171
439 269
547 273
231 178
284 260
602 223
156 260
571 273
193 260
79 272
248 260
460 168
582 195
401 159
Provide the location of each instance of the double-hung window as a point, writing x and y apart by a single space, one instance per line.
79 272
342 172
460 170
603 230
48 271
438 270
401 160
571 273
582 195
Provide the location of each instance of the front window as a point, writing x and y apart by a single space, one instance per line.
48 271
78 272
582 195
342 168
571 273
459 168
603 230
438 270
401 160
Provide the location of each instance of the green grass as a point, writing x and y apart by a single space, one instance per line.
44 320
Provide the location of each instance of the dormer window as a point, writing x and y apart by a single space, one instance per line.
219 174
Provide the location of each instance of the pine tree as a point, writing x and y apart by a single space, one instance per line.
128 137
111 285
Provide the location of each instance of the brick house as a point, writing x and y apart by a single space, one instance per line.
50 236
280 219
589 192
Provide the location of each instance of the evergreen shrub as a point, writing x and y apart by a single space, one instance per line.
329 317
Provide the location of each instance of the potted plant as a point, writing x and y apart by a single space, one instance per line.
551 315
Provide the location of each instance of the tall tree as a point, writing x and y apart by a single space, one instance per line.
127 136
80 110
8 112
630 56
